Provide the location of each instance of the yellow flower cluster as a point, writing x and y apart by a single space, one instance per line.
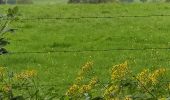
119 71
75 88
6 88
85 88
79 79
86 67
26 74
93 81
120 84
143 77
156 74
128 98
2 71
78 87
72 90
110 92
88 87
146 77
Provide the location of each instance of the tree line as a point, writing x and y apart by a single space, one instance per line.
106 1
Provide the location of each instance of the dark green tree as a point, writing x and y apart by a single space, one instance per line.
1 1
88 1
74 1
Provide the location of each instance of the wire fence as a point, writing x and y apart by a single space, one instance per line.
96 17
91 50
33 19
92 17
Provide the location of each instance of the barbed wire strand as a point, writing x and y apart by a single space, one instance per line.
92 50
96 17
90 17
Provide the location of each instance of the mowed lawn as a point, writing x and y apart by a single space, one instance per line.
60 68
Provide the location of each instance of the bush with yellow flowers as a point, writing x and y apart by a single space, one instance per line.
123 85
14 85
23 86
84 84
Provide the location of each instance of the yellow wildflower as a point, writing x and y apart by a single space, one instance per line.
79 78
85 88
111 91
128 98
72 90
2 71
87 66
119 71
6 88
26 74
93 81
143 77
147 78
156 74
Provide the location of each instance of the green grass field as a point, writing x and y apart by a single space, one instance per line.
60 68
50 1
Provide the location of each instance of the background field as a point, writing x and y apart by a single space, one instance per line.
59 68
50 1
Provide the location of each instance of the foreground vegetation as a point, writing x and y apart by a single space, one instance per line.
5 20
123 84
59 68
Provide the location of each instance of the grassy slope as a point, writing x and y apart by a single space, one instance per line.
84 34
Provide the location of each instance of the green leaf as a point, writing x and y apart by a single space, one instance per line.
15 10
98 98
65 98
12 11
9 11
18 98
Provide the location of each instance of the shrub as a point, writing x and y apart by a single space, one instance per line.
74 1
1 1
123 85
10 1
23 86
89 1
24 2
167 1
20 83
143 1
84 84
4 29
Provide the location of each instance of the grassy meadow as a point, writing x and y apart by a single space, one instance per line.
60 68
49 1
